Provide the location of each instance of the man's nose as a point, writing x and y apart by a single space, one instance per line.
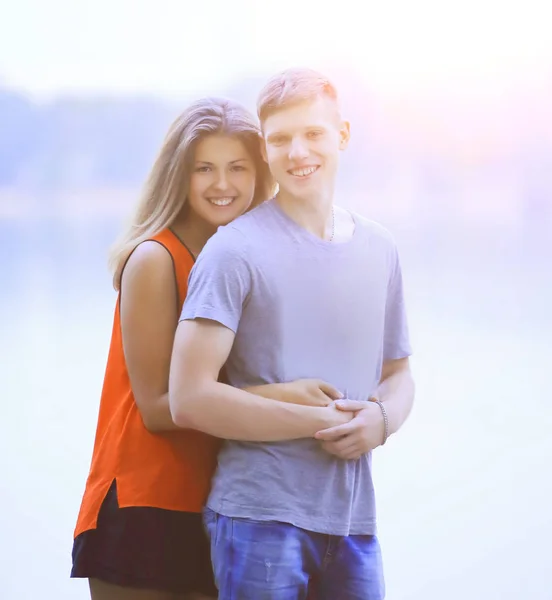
298 150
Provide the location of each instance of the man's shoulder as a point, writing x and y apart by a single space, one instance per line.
236 237
376 231
251 221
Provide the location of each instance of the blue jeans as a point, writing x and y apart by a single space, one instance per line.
269 560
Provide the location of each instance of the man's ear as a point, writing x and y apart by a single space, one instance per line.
344 134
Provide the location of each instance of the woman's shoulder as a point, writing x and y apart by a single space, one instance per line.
149 264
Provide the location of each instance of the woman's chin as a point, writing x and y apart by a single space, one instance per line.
222 215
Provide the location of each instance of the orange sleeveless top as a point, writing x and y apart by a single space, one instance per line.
169 470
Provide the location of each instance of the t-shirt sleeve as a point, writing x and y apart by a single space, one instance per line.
396 342
220 281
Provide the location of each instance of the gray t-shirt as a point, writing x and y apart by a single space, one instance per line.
300 307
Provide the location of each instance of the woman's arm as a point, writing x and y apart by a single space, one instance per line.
149 316
308 392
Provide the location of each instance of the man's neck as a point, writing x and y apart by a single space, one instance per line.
313 214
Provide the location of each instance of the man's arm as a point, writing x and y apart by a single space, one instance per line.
396 391
367 430
199 401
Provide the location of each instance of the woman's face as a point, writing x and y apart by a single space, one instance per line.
222 183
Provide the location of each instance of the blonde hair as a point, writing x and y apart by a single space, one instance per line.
164 194
291 87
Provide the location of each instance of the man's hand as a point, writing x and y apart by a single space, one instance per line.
357 437
336 417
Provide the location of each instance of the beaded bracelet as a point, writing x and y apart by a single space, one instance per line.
385 420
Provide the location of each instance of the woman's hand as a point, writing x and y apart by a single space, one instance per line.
308 392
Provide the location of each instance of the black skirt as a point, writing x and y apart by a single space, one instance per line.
145 548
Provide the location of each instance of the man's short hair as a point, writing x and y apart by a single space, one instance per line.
293 86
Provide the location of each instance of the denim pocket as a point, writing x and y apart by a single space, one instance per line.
210 519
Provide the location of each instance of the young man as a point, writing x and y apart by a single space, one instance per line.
295 288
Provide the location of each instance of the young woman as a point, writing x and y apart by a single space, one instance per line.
139 533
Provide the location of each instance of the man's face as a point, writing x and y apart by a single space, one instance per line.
302 145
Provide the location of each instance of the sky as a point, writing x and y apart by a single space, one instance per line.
168 48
